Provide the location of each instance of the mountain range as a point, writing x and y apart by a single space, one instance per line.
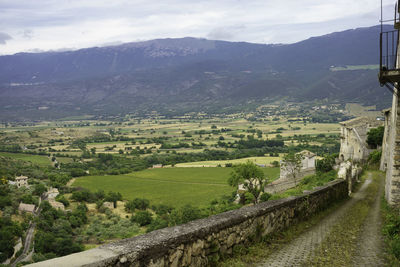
174 76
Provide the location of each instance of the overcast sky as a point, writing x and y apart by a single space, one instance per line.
40 25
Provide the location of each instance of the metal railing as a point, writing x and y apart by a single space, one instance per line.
388 50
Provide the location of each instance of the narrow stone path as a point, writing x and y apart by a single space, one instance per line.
301 248
370 246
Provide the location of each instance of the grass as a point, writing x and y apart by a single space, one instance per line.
346 232
36 159
391 229
307 183
170 186
214 163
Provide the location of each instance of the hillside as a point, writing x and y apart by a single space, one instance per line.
189 74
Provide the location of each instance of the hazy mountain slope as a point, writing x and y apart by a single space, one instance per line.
188 74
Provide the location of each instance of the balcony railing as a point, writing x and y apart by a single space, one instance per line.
389 58
388 50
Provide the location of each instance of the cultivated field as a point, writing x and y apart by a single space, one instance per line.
171 186
214 163
37 159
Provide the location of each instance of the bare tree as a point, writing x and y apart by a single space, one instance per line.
292 164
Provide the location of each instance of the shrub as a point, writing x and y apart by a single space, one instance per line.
161 209
264 197
326 164
142 218
185 214
375 157
63 199
249 198
375 136
137 203
395 247
275 163
158 223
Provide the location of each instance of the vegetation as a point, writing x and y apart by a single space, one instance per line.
375 137
391 230
55 232
292 164
252 178
326 164
9 232
307 183
110 160
169 186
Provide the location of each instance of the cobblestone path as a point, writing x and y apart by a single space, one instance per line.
370 245
301 248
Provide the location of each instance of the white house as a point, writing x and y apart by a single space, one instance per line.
307 165
21 181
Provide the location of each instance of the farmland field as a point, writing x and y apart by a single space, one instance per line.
37 159
170 186
214 163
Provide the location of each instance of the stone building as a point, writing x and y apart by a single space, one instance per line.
21 181
26 207
353 138
390 160
108 204
385 141
56 204
52 193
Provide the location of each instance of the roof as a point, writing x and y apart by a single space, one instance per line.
359 121
26 207
21 177
56 204
307 153
52 190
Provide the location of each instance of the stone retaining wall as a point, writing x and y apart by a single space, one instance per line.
201 242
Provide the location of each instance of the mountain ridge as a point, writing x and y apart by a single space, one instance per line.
196 73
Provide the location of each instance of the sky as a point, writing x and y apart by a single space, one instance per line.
43 25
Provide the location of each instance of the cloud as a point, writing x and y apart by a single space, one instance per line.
4 37
225 33
27 34
55 24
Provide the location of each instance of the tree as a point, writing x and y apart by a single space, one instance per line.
292 164
142 218
39 189
252 178
326 164
375 137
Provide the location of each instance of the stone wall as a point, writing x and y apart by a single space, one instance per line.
286 183
203 241
391 152
353 134
386 140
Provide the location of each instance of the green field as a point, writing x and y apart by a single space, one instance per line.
37 159
171 186
214 163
